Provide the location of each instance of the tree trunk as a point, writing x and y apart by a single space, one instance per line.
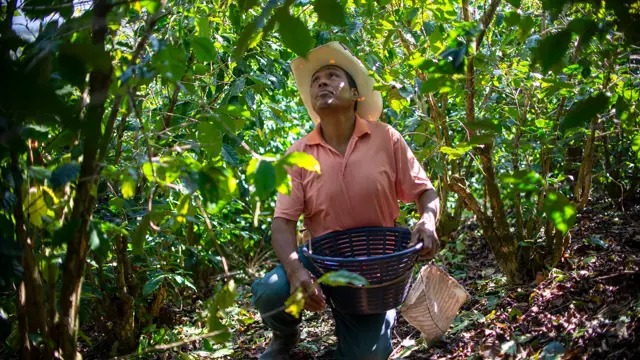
32 287
125 330
84 201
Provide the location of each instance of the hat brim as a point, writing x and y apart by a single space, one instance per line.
333 53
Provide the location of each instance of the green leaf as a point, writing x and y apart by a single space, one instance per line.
512 19
456 152
128 186
98 241
64 174
265 178
342 277
227 296
524 180
294 33
65 232
39 173
171 62
295 303
552 351
330 11
515 3
203 48
210 138
560 210
151 5
214 324
635 144
481 139
584 111
202 27
524 27
153 284
303 160
243 41
181 281
117 203
91 55
552 49
229 155
140 234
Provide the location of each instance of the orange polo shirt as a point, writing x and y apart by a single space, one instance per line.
359 189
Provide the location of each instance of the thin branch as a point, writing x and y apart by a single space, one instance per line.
213 237
485 21
170 346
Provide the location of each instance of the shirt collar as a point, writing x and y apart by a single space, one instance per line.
315 136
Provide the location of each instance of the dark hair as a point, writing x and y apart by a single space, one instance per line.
352 85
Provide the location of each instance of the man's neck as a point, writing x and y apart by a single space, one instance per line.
338 128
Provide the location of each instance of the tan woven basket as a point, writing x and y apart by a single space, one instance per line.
433 302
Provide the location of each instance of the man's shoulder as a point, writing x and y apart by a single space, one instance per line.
383 129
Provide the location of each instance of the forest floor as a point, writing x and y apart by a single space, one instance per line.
587 307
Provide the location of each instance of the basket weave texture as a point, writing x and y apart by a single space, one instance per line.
433 302
379 254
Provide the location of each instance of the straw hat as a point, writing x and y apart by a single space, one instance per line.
334 53
433 302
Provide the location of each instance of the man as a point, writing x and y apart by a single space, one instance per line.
366 168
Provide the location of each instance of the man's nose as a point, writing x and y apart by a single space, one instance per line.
323 83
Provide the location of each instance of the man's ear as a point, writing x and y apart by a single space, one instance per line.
356 94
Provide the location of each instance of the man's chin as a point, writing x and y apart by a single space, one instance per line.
326 105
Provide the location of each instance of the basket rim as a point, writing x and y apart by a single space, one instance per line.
410 250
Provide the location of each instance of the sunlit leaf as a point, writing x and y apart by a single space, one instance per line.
128 186
456 152
560 210
151 5
635 144
342 277
303 160
524 180
295 303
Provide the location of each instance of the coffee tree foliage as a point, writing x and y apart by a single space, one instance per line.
142 142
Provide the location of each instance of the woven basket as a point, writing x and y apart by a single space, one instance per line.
433 302
379 254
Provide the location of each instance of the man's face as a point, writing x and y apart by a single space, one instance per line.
330 89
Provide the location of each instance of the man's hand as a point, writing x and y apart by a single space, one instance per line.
425 231
301 277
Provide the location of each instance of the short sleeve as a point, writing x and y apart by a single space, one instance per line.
411 179
291 206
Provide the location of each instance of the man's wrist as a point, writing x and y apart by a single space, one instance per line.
428 217
292 266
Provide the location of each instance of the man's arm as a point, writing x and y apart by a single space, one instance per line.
429 208
283 239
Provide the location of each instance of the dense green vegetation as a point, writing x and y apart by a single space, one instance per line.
142 142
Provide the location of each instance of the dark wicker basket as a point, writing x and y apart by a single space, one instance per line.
379 254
